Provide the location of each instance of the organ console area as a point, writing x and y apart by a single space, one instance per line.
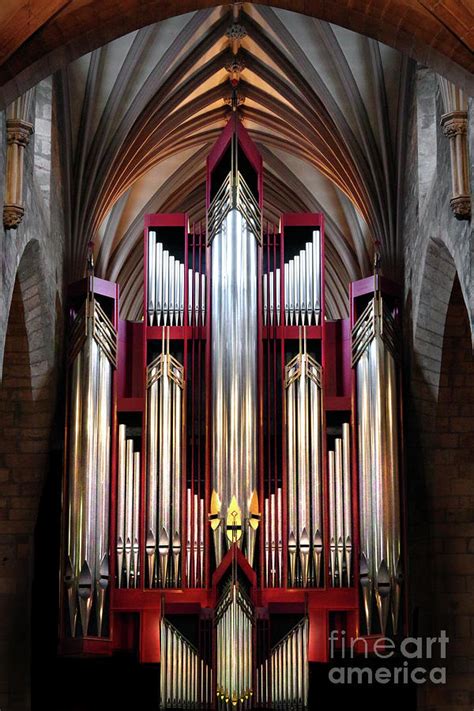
233 484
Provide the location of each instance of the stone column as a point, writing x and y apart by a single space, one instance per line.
18 136
454 126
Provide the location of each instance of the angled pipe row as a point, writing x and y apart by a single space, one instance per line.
165 285
128 512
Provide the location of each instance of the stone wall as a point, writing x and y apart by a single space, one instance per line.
31 337
439 401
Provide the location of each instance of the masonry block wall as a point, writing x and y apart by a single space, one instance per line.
31 337
439 403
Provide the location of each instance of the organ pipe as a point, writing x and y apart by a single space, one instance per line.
165 383
234 234
375 355
303 425
92 358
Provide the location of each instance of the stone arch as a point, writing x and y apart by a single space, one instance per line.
27 407
35 46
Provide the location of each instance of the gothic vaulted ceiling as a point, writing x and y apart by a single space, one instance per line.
326 107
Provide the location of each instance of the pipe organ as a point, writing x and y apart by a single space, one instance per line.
233 486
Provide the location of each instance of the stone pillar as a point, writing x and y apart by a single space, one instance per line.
19 130
455 128
18 136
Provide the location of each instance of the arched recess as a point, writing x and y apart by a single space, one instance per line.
27 405
442 545
37 43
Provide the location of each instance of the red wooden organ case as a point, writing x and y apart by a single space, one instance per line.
291 601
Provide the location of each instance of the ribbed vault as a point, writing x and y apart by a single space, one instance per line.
326 107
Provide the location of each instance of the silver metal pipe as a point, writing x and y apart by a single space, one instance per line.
303 467
103 477
271 297
196 537
291 290
286 285
200 575
171 278
152 478
346 456
234 364
273 550
316 477
265 299
151 276
296 286
136 516
176 477
190 297
266 521
303 286
332 516
189 534
159 283
292 491
181 295
129 511
278 296
177 276
197 287
309 281
279 525
166 281
339 535
203 299
121 502
317 275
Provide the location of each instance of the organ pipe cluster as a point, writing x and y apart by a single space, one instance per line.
165 384
302 285
196 298
375 352
165 285
234 648
304 469
234 226
340 515
185 679
287 685
273 542
128 512
92 359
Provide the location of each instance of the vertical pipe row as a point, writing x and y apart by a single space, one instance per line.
289 671
273 560
304 469
196 298
128 512
195 540
340 510
165 282
92 355
165 383
302 286
184 676
374 353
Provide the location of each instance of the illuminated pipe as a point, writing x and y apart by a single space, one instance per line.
159 283
151 276
136 516
121 502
